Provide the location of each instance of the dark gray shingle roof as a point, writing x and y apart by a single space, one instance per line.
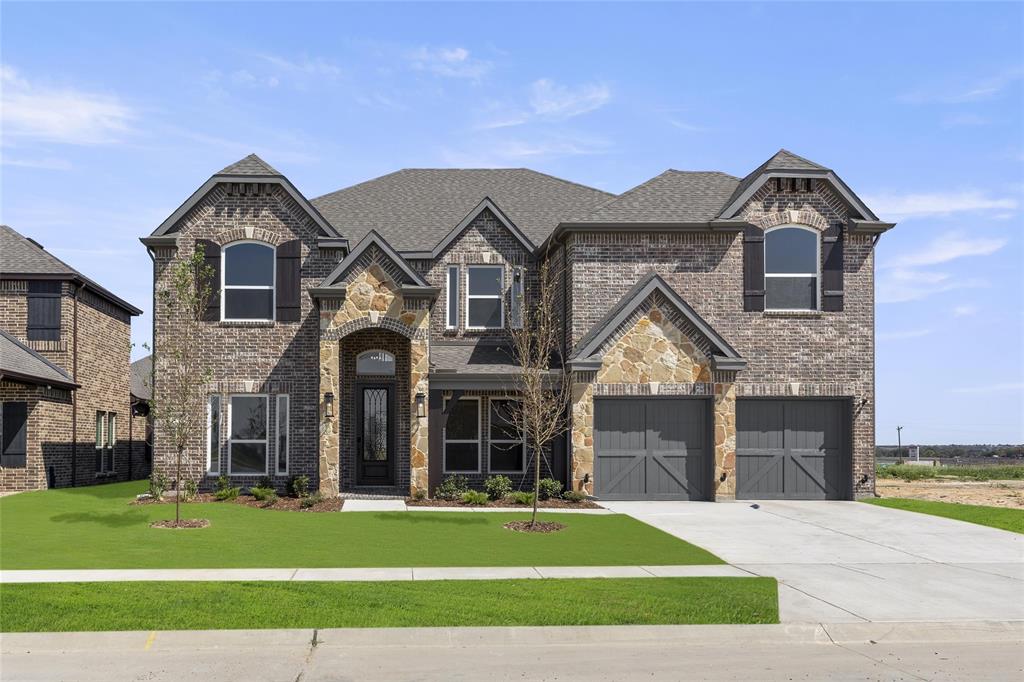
19 362
413 209
472 359
20 255
674 196
250 165
783 160
141 375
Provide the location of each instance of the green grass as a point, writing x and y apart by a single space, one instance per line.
95 527
996 517
908 472
61 607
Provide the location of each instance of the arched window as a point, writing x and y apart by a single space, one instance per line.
248 282
791 268
379 362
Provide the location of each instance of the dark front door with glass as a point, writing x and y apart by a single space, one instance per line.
375 435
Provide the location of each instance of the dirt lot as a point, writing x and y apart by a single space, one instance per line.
991 493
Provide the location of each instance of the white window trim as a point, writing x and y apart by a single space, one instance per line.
232 441
817 274
517 299
107 440
500 296
282 398
210 445
224 287
449 323
479 434
501 441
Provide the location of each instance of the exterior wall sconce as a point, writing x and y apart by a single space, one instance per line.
421 405
329 403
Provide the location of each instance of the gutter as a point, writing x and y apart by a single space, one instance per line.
715 225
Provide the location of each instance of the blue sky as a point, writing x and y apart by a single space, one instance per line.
114 114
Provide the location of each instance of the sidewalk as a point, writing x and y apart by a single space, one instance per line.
365 574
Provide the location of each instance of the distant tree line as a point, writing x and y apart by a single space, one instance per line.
955 451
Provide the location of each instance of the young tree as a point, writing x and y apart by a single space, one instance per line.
541 413
182 378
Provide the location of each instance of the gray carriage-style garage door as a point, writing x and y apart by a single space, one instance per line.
652 448
792 450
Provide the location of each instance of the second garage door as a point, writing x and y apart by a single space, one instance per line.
652 448
792 449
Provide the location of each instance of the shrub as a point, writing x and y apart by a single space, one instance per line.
475 498
158 484
262 493
266 482
452 488
498 487
227 494
298 486
270 499
311 500
223 483
420 494
549 487
521 497
574 496
189 490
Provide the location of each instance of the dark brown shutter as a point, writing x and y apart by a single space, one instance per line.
753 268
832 268
289 281
211 257
15 439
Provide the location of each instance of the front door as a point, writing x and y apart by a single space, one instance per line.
375 435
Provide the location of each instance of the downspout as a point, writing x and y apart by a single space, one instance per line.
152 367
74 393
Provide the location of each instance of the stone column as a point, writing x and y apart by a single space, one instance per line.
725 442
418 432
583 437
329 426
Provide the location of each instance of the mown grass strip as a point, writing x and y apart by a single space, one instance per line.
995 517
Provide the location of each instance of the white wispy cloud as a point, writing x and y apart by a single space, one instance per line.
946 247
501 153
46 163
1010 386
62 115
901 335
964 91
451 62
548 101
964 310
267 70
923 204
899 285
686 126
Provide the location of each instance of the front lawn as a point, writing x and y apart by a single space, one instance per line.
72 607
96 527
996 517
913 472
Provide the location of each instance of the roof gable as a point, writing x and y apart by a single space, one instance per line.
20 363
371 240
250 165
485 205
588 351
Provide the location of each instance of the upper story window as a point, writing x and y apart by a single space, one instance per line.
248 282
791 268
43 310
485 305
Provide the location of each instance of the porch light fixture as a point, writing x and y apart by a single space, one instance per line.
421 405
329 403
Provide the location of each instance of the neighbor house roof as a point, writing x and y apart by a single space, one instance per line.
141 380
24 258
21 364
416 208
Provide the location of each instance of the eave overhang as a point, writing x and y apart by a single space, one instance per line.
18 377
848 195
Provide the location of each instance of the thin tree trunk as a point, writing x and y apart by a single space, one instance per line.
177 492
536 487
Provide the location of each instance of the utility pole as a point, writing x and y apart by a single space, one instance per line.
899 442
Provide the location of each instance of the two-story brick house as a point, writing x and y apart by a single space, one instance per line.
719 331
65 343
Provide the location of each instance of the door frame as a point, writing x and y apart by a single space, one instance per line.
357 389
709 454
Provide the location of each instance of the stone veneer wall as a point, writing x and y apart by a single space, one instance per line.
372 301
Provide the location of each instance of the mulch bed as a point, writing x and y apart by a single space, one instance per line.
543 504
184 523
328 504
539 527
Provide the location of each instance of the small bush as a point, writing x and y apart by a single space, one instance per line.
270 499
452 488
574 496
158 485
498 487
475 498
261 493
521 497
266 482
223 483
420 494
549 488
311 500
227 494
189 490
298 486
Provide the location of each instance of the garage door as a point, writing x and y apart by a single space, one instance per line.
792 449
651 449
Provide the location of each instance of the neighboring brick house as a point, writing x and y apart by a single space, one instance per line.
64 377
719 330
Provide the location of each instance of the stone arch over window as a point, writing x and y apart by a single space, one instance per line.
792 267
368 321
805 218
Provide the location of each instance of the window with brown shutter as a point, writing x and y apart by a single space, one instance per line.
753 269
43 310
289 281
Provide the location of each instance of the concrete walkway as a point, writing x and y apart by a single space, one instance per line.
893 651
851 562
365 574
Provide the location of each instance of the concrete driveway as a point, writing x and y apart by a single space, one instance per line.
849 562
